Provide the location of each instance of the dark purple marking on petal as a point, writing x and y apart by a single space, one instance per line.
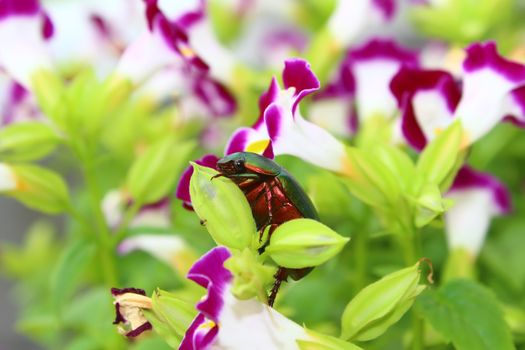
16 95
183 187
485 55
238 141
343 85
273 117
215 96
407 83
468 178
268 97
117 291
268 152
518 97
210 273
297 74
139 330
378 48
387 8
118 318
48 29
291 38
197 339
353 120
19 8
101 25
190 18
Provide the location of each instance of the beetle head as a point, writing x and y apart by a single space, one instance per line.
232 164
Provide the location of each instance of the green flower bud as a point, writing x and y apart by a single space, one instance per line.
250 276
318 341
172 311
39 188
381 304
430 204
371 180
438 159
153 174
49 91
223 208
27 141
303 243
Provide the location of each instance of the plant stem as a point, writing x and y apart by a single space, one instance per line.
361 257
103 233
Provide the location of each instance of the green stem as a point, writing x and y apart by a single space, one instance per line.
103 233
361 258
129 215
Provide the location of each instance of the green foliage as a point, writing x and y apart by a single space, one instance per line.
153 174
466 314
40 189
27 141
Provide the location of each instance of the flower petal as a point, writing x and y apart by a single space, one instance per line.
23 29
478 198
488 78
8 181
298 75
514 107
210 273
427 99
468 178
373 66
183 187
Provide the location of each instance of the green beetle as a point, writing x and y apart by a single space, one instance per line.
275 197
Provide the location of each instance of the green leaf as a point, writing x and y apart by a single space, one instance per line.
438 158
152 176
467 314
68 271
40 189
172 311
27 141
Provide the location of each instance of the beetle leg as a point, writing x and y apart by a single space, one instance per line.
280 276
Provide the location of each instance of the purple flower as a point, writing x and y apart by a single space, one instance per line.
431 99
478 197
24 27
129 303
225 322
280 128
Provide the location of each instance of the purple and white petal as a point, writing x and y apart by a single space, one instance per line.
373 66
487 79
19 105
209 272
303 139
478 197
226 322
8 180
514 107
183 187
24 27
298 76
351 18
170 249
427 99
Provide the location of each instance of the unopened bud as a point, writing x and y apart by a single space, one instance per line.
381 304
222 207
303 243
